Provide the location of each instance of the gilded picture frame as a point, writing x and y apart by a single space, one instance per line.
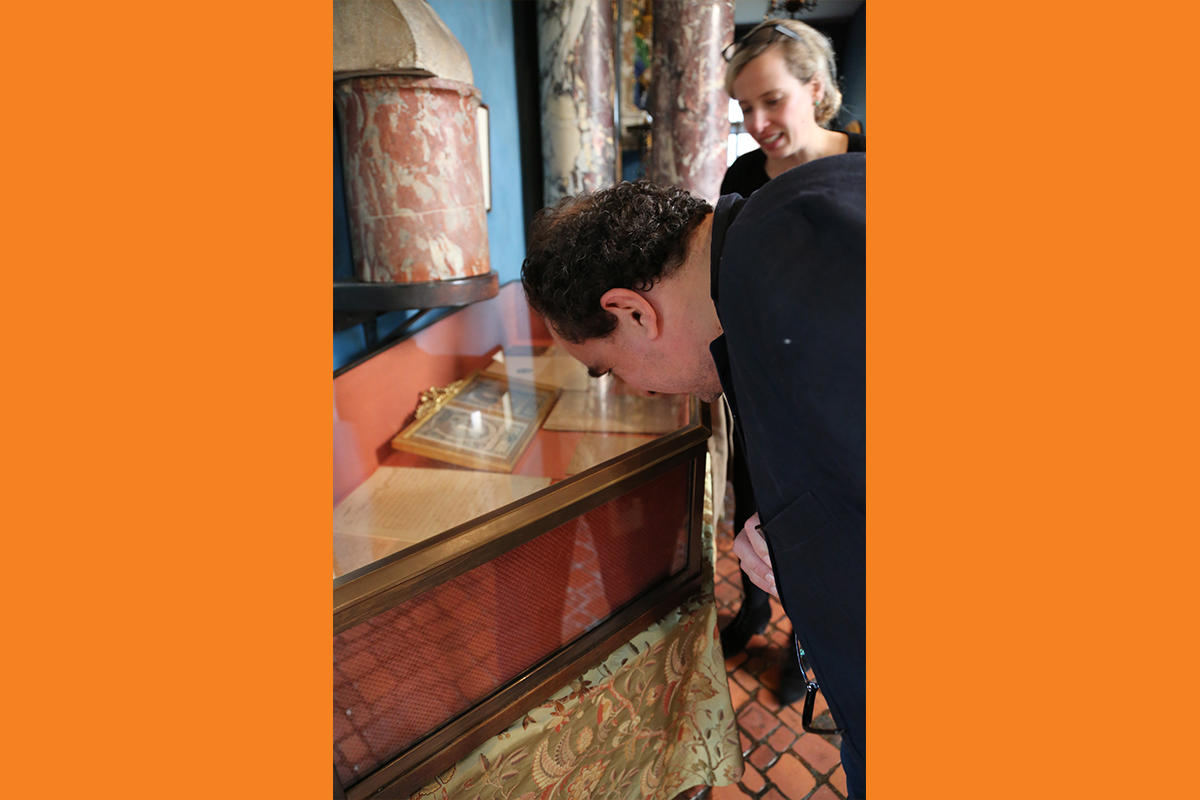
483 421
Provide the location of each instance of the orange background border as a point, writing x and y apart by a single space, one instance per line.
171 365
1031 399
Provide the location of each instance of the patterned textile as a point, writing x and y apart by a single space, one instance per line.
651 721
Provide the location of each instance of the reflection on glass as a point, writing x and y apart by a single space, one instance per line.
527 418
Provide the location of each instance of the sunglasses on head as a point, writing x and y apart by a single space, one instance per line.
760 38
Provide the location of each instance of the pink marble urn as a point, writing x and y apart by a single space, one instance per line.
414 188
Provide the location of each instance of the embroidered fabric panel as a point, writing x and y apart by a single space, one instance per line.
653 720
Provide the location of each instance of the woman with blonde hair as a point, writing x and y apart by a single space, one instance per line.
783 75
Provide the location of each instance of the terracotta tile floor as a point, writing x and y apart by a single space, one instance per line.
783 762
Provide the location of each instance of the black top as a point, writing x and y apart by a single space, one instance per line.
745 176
789 285
749 171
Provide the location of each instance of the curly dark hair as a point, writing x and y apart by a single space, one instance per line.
630 235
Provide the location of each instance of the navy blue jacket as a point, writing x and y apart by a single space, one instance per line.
789 287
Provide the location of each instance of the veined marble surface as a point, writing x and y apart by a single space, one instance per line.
414 187
688 103
575 67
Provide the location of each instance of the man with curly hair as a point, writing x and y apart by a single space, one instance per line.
761 299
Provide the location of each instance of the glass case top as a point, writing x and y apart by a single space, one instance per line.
511 421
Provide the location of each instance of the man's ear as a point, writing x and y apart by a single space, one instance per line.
632 309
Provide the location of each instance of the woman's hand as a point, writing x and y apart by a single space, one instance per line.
751 549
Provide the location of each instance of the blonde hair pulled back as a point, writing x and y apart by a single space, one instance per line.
808 57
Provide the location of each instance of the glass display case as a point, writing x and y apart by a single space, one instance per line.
501 522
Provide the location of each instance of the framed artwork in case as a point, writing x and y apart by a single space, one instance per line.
483 421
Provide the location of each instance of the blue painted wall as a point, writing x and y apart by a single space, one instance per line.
485 30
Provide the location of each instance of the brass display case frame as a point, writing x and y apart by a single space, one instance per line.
384 584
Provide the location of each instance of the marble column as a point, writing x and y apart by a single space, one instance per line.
690 110
413 181
575 67
406 103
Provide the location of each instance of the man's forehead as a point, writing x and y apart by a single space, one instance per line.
587 352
